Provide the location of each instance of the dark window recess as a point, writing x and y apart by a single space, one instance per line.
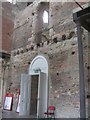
38 45
28 63
18 52
48 42
9 89
73 52
64 37
55 40
32 13
28 3
88 96
27 49
88 67
8 34
57 73
32 47
72 33
88 80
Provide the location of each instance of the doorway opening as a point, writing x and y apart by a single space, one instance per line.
39 68
34 88
38 94
34 94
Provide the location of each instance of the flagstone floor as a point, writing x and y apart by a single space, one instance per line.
13 114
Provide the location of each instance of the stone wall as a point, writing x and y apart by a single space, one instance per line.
0 79
0 25
7 26
59 45
4 77
6 29
28 23
63 74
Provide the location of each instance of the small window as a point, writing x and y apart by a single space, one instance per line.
45 17
12 1
9 1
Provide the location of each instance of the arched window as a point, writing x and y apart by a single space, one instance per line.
9 1
45 17
12 1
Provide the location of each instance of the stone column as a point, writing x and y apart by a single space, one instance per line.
81 72
89 74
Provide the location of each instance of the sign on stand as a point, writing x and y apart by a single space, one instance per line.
8 101
18 104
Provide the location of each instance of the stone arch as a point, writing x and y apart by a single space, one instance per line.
37 62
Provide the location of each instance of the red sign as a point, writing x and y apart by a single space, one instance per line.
8 101
18 103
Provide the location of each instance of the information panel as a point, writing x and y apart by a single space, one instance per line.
8 101
18 104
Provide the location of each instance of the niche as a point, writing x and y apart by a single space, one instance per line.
73 52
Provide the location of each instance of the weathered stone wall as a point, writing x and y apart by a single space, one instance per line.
63 75
61 49
4 77
22 26
0 79
7 26
6 29
28 23
0 25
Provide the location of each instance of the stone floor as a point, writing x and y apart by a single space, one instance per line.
0 114
9 114
13 114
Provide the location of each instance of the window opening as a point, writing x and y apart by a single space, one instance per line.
45 16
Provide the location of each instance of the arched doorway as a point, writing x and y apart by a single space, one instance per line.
34 88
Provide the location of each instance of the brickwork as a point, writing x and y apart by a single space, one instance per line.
6 29
64 81
59 44
0 25
7 26
63 74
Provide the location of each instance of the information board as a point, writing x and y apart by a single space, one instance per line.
18 104
8 101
